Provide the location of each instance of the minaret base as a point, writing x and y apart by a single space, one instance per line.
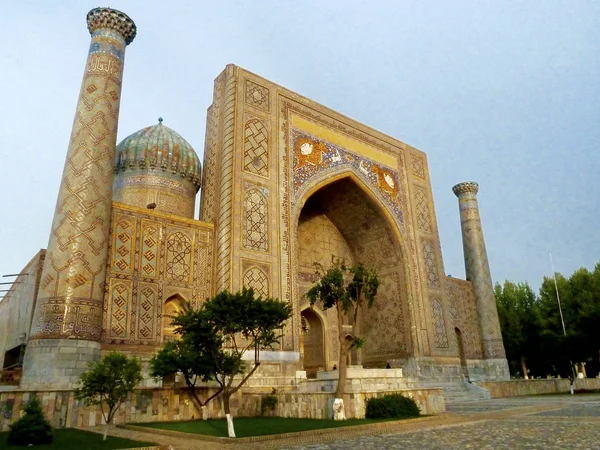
57 363
488 370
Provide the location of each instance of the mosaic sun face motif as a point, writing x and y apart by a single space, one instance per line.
309 152
389 180
306 148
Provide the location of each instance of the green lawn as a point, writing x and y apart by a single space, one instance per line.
256 426
71 439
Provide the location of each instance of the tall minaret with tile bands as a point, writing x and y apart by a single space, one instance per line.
67 322
478 271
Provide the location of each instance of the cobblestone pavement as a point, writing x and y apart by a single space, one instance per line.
543 422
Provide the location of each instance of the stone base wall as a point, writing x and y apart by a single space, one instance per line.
57 363
516 388
488 370
449 369
157 405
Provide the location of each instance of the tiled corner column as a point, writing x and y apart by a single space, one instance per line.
67 321
478 271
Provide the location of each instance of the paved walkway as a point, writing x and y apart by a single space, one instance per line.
543 422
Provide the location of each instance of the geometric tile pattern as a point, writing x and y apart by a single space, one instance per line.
226 161
423 218
146 312
439 327
120 299
388 318
71 306
123 240
417 166
257 96
463 314
179 250
256 152
171 256
149 251
256 279
433 280
255 234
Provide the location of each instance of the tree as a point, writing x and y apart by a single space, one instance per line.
214 339
517 311
32 428
580 304
108 382
345 289
195 363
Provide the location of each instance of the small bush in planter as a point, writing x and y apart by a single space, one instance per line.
269 402
32 428
392 406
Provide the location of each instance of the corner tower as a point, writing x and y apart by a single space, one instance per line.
67 321
478 272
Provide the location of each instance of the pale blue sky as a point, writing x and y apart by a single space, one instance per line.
505 93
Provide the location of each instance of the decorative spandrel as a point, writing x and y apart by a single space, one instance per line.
312 156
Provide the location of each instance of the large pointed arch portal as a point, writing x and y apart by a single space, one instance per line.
342 220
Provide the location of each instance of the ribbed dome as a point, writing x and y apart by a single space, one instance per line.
159 147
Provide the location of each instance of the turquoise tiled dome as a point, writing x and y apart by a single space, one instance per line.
158 147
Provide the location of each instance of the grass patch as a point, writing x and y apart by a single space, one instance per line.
70 438
256 426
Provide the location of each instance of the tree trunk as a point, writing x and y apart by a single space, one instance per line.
342 363
524 368
230 429
356 330
342 367
105 431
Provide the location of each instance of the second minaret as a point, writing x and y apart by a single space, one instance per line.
478 271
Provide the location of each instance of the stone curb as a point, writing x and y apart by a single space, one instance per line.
358 429
156 447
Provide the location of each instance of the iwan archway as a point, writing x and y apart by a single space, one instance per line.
341 219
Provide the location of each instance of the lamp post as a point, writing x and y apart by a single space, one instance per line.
562 320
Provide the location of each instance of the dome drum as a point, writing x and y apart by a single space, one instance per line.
156 166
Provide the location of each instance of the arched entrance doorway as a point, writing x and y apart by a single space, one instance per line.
342 220
313 343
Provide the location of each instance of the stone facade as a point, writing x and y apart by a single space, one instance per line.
287 182
168 404
157 263
16 310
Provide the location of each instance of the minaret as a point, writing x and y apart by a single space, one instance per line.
65 331
478 271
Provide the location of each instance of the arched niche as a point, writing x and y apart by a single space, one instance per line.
312 342
342 217
171 308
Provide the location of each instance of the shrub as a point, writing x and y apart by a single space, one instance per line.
392 406
32 428
268 402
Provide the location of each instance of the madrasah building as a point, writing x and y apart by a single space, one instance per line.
285 182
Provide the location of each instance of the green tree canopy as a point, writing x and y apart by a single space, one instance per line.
108 382
346 289
215 338
517 311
